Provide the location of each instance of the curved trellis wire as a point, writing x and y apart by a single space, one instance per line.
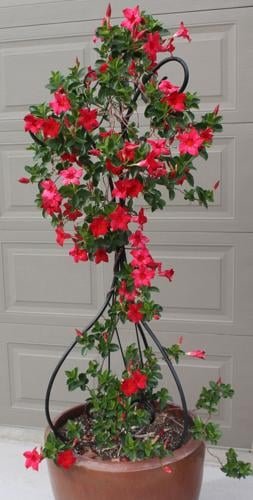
142 329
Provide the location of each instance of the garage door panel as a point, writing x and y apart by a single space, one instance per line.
44 296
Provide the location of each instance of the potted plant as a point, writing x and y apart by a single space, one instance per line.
91 162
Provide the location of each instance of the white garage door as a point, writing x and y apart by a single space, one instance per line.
44 296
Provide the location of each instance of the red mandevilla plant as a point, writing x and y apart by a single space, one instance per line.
91 162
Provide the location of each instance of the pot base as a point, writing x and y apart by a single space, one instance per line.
94 479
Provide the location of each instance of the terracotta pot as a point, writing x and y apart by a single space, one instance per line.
94 479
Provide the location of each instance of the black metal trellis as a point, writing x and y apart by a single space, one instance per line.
142 329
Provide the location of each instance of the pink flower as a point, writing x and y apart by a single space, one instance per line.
138 239
33 459
51 128
120 219
88 119
78 254
99 226
143 276
176 101
24 180
65 459
158 147
190 142
71 175
101 256
196 354
33 124
167 87
60 103
132 18
183 32
61 236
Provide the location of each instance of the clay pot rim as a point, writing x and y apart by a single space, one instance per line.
110 466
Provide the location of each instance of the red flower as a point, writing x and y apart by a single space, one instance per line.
158 147
138 239
143 276
141 219
101 256
206 134
33 124
176 101
154 167
60 103
190 142
24 180
120 219
127 153
33 459
127 187
69 157
99 226
103 67
132 18
61 236
51 128
167 469
65 459
78 254
124 293
88 119
113 169
95 152
183 32
196 354
71 213
134 314
216 185
167 87
128 387
132 69
91 74
140 379
141 257
168 273
153 45
50 197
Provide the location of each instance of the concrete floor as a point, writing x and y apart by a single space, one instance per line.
17 483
